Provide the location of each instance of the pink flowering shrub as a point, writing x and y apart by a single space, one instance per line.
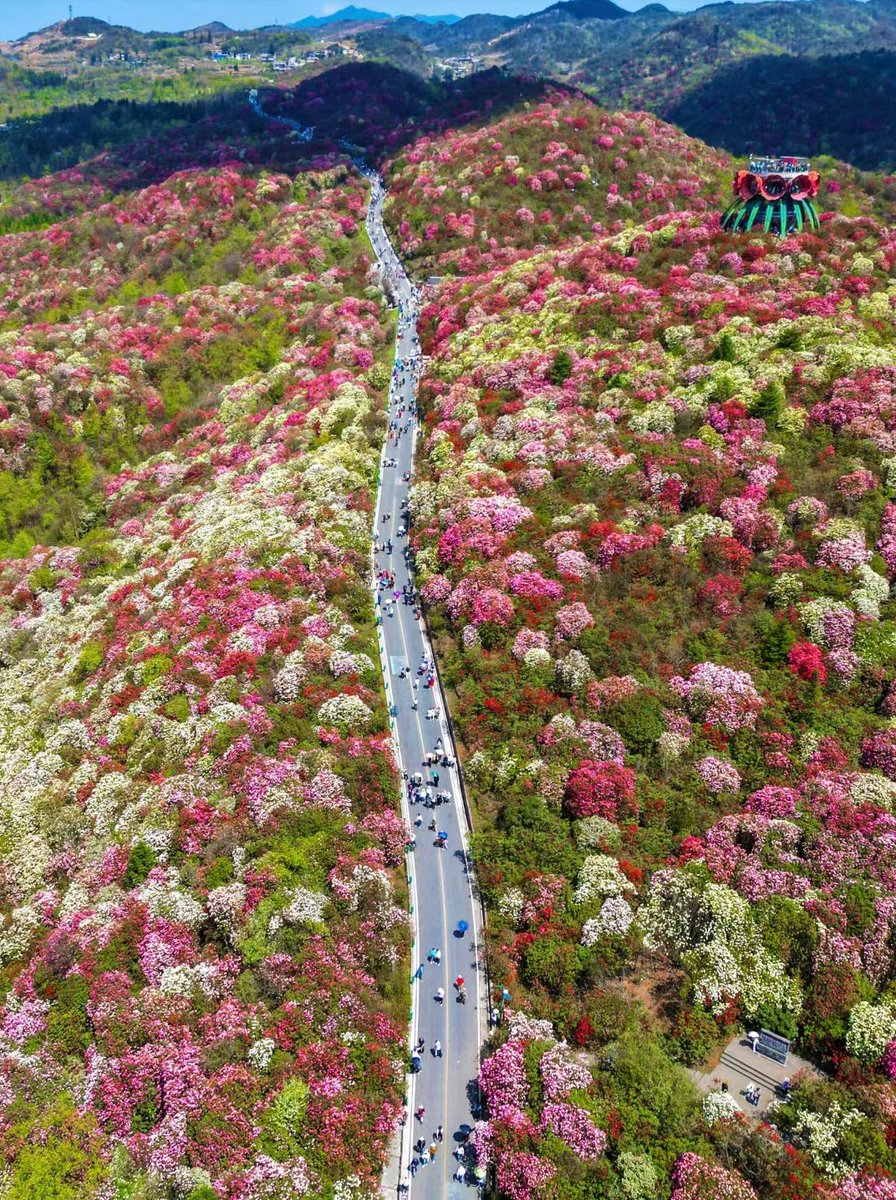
720 696
526 1139
603 789
693 1178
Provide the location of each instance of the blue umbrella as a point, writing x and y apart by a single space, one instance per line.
462 926
443 834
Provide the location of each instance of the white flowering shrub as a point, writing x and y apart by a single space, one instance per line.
344 710
614 919
821 1135
573 673
672 745
871 591
720 1106
261 1052
600 876
638 1177
871 1027
655 417
709 929
593 832
696 529
869 787
510 905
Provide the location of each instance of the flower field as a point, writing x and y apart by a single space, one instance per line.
204 937
556 169
654 521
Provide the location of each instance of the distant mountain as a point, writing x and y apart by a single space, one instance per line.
586 10
81 26
832 59
214 27
351 13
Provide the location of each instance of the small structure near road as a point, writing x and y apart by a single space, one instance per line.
741 1067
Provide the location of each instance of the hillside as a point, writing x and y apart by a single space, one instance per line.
655 525
470 199
653 521
715 67
203 932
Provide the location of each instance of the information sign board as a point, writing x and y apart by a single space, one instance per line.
773 1046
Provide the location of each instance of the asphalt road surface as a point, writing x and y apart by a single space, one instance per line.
441 893
439 878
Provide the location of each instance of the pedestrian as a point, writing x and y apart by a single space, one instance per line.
437 956
424 1158
437 1049
433 1149
440 1134
419 972
413 1167
440 997
420 1113
461 1174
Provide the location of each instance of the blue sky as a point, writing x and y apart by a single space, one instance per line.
18 18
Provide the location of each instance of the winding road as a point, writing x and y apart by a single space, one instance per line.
439 880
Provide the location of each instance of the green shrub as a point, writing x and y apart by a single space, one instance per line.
156 667
61 1164
639 721
67 1026
90 660
141 862
178 708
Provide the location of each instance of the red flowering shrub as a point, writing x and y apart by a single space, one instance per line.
603 789
806 660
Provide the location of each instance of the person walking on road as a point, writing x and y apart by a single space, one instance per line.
437 1049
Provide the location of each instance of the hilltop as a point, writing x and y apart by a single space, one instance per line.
716 70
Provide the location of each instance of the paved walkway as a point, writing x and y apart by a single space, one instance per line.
439 879
740 1068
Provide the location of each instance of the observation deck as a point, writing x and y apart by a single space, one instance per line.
774 193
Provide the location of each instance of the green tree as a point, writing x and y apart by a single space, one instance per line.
769 404
561 367
68 1028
